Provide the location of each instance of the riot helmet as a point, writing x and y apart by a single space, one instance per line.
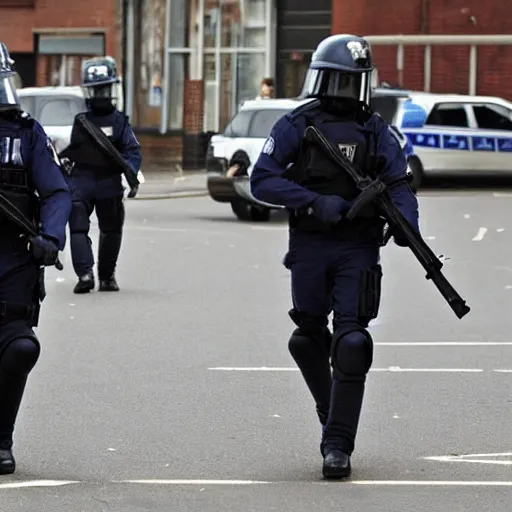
8 96
340 69
99 76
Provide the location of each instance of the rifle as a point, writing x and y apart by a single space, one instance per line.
374 190
103 152
13 213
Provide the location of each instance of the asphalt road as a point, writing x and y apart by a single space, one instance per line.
178 393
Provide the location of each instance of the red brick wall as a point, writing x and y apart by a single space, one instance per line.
16 24
193 107
450 64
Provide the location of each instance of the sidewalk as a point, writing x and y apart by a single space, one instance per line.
168 185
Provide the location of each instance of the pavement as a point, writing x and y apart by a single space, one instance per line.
178 392
172 184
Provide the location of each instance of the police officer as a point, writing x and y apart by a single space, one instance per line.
95 186
27 165
334 262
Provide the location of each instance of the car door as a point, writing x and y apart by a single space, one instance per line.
492 140
444 143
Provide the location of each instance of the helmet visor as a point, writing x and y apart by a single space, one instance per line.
328 83
8 93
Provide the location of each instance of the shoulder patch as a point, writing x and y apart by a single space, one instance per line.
268 147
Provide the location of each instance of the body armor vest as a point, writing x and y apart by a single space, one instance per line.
15 183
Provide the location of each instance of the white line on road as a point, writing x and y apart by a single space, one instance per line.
182 230
480 235
391 369
444 344
37 483
461 483
502 194
425 483
194 482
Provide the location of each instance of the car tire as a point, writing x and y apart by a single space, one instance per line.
246 212
417 172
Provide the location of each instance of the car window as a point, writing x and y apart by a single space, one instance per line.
448 114
492 117
27 103
264 120
58 112
385 106
239 125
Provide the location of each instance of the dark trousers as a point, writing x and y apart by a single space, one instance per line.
111 214
19 347
328 275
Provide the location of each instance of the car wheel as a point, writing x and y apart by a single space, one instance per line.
242 209
247 212
417 172
259 214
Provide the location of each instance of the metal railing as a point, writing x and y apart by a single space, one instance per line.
473 41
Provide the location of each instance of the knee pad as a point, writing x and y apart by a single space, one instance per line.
79 218
111 215
352 353
20 356
303 346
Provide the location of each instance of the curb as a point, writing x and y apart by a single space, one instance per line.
172 195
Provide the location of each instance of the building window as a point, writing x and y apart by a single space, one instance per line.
148 76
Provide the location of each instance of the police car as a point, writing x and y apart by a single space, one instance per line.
55 108
245 135
455 134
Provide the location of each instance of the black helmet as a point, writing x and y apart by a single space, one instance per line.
99 75
340 68
8 96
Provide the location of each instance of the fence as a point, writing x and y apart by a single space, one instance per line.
473 41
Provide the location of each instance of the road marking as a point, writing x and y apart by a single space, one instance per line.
502 194
425 483
478 458
194 482
391 369
480 235
187 231
461 483
444 344
37 483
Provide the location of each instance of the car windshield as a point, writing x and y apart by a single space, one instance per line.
385 106
263 121
54 110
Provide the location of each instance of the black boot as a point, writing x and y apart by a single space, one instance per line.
109 285
108 252
336 464
7 462
85 283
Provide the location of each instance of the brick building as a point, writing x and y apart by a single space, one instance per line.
450 64
48 39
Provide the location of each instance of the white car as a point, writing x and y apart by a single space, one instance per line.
55 108
246 134
455 134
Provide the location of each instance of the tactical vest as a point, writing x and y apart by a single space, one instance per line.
86 155
15 180
316 172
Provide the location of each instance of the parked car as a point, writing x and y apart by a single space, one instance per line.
55 108
453 134
243 139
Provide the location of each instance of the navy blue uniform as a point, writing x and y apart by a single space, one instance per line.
101 188
335 269
27 164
